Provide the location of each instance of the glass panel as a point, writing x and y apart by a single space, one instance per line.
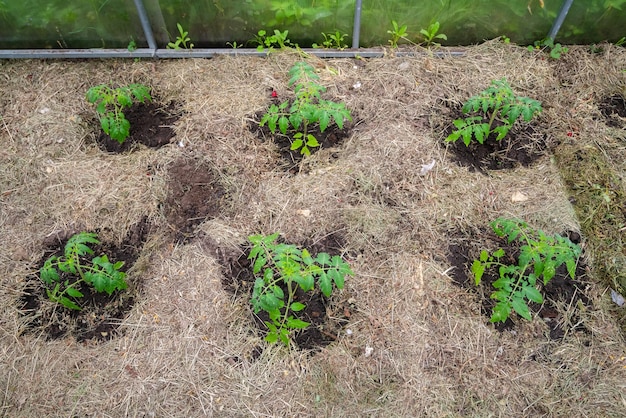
468 22
69 24
215 23
221 23
594 21
463 21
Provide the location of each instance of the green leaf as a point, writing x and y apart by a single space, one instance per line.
295 323
533 294
284 336
571 267
453 137
283 124
259 263
269 302
297 306
77 244
271 337
337 277
548 272
306 257
502 282
520 306
124 99
68 303
312 141
271 123
48 274
323 259
296 144
500 312
324 120
278 292
75 293
499 253
119 128
325 284
478 269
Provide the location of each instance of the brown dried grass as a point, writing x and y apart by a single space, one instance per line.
419 345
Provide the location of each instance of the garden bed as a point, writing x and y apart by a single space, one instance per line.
409 334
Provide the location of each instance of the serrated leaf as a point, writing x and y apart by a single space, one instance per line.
271 337
296 144
284 336
499 253
548 272
278 292
500 312
571 267
478 269
75 293
283 124
520 306
124 99
271 123
269 302
324 120
48 274
325 284
453 137
502 282
337 278
312 141
295 323
68 303
533 294
306 257
297 306
258 264
323 259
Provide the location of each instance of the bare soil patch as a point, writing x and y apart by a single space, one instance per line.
331 138
561 292
194 196
614 110
522 146
326 316
150 125
100 314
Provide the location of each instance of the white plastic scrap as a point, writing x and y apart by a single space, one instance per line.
617 298
356 85
426 168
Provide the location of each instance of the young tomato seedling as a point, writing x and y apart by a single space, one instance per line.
279 270
540 255
100 274
307 109
111 101
496 103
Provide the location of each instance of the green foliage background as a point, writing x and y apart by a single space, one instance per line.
212 23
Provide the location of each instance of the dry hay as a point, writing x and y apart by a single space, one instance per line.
419 345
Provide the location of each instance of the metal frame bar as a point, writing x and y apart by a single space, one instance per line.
154 52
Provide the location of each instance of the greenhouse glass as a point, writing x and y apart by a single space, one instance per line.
74 24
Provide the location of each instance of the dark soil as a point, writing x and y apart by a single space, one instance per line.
560 293
150 125
613 108
332 137
194 196
101 314
523 145
325 316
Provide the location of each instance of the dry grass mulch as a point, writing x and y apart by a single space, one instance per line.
418 344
